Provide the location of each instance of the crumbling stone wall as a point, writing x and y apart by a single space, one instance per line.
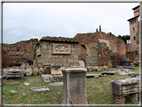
107 57
133 55
92 56
115 44
47 56
18 53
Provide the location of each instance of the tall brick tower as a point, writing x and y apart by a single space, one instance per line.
133 26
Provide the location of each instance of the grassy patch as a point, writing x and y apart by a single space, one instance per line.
136 69
97 90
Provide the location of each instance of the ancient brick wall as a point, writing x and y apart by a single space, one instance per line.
91 58
18 53
48 58
133 55
107 57
115 44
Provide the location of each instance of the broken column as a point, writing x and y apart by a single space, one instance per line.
74 86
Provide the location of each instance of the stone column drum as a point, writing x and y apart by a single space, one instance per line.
74 86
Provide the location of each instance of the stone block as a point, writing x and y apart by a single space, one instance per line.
74 80
13 74
124 86
50 51
47 70
70 60
43 46
56 69
51 78
81 63
50 47
56 84
75 56
40 89
75 64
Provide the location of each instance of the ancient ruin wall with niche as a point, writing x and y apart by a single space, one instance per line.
54 50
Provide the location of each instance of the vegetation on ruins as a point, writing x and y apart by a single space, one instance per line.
124 37
98 91
110 33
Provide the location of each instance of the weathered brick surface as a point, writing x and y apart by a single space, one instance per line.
133 55
117 45
18 53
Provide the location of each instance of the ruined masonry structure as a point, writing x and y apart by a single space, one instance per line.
18 53
56 50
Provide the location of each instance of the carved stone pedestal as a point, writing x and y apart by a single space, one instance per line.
74 86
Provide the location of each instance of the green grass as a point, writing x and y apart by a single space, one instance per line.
97 90
136 69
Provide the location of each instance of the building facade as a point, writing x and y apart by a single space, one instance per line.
133 26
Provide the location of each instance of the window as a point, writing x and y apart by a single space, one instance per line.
133 28
135 20
131 21
134 38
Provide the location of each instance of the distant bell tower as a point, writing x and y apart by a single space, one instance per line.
133 26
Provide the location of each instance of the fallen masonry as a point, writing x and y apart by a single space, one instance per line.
128 86
93 75
39 89
56 84
13 77
13 74
108 72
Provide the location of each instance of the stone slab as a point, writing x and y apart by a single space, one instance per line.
50 78
134 74
123 73
56 84
81 63
108 72
39 89
93 75
59 48
56 69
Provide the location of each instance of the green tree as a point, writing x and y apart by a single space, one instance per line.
124 37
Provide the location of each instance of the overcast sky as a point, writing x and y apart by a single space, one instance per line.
23 21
